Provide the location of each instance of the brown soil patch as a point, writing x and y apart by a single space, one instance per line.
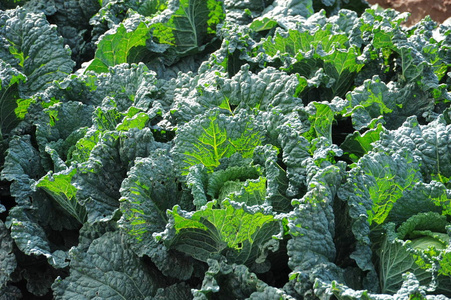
439 10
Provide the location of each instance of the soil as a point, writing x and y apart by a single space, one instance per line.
439 10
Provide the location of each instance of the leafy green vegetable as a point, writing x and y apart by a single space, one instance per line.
417 255
189 26
118 275
241 236
9 97
383 179
8 259
62 191
428 142
35 49
188 149
215 136
119 47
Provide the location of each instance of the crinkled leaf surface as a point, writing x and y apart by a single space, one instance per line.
58 129
422 197
308 53
217 180
430 143
98 179
223 281
269 89
390 104
179 291
150 189
9 80
321 118
378 181
109 270
280 9
7 258
311 223
126 84
72 20
22 166
373 187
266 90
38 49
61 120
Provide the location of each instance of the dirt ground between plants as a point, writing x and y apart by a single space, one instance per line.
439 10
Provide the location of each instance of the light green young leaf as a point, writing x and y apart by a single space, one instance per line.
395 260
238 174
374 187
213 136
251 192
356 145
106 117
240 236
60 188
81 151
369 103
417 247
117 46
341 66
321 117
138 121
262 24
323 56
294 42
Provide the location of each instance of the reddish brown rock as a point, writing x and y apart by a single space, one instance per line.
439 10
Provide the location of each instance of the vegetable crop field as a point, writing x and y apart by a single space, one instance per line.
235 149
